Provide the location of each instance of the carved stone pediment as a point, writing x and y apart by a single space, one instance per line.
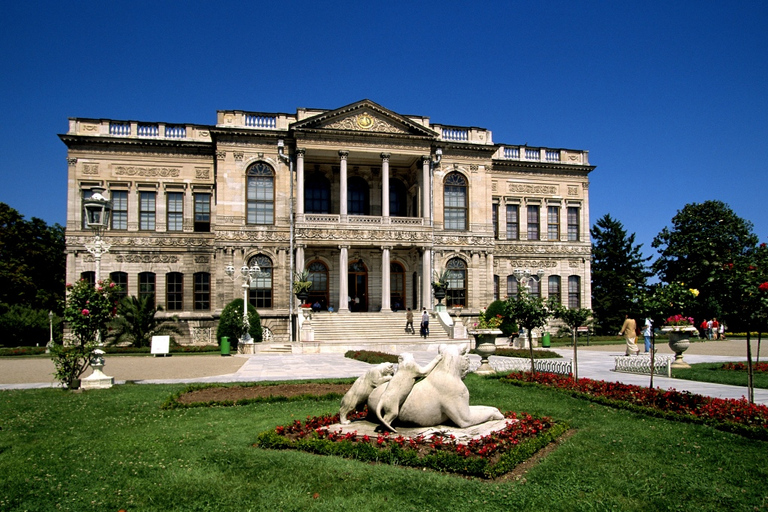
363 116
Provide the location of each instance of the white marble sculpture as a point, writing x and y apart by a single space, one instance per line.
362 388
440 397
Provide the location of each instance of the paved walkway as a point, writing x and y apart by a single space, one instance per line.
594 363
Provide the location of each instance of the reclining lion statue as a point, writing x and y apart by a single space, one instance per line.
441 396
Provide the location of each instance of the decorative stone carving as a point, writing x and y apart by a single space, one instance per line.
533 263
201 258
71 161
238 156
146 172
202 173
530 189
573 190
363 121
221 155
146 258
362 388
226 219
202 335
91 169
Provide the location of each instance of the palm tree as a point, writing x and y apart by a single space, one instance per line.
136 321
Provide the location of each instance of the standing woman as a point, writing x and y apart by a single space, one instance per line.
629 330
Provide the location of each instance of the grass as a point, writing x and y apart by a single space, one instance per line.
713 372
116 448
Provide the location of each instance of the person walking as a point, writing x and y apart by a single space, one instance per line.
647 331
629 330
709 330
425 324
409 321
716 328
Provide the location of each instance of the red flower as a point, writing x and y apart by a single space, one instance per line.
763 287
86 312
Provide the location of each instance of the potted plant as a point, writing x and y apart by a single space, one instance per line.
679 329
440 285
485 331
301 285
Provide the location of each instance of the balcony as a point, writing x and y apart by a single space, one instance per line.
528 154
138 130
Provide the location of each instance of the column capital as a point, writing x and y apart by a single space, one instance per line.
387 247
71 161
425 158
385 156
343 247
301 151
343 154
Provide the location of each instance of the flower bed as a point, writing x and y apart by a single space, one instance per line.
738 416
742 367
487 457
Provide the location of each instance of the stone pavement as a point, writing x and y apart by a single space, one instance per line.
594 363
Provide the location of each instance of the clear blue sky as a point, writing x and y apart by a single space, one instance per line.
670 98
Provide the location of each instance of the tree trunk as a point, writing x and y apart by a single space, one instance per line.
530 347
575 355
653 354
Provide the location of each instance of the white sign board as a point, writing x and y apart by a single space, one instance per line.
161 344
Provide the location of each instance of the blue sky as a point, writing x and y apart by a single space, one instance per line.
670 98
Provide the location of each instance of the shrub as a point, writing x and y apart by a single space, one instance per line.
231 323
508 326
372 357
137 321
23 326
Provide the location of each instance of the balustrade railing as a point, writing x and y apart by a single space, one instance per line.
260 121
513 153
455 134
118 128
532 154
175 132
552 155
147 130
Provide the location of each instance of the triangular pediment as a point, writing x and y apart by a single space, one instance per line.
363 116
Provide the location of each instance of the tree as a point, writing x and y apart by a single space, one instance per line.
137 321
619 274
231 323
498 307
703 237
32 261
530 313
573 318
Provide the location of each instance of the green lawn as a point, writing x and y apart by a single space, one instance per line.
712 372
116 448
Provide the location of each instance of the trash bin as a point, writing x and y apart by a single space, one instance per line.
224 346
545 341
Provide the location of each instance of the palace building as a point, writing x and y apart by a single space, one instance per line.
372 203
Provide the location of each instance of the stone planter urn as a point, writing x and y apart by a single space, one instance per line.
439 294
485 345
679 341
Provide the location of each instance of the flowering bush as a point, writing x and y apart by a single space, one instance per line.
487 457
679 321
742 367
737 416
485 321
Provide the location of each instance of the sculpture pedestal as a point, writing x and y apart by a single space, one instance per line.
97 380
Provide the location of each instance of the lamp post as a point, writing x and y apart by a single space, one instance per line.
248 275
50 327
524 277
97 209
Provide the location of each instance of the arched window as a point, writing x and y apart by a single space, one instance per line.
318 275
120 279
554 291
457 283
357 196
260 294
398 198
574 292
174 291
535 288
147 286
396 286
89 277
511 287
455 202
260 202
317 194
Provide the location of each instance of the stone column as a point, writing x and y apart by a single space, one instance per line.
299 258
299 184
426 279
343 279
426 188
343 187
385 185
385 279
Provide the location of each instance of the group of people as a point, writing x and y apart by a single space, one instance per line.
424 327
712 329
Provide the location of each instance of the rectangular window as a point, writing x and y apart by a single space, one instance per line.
89 277
511 287
202 213
147 286
553 223
535 288
174 291
260 208
260 294
175 211
202 291
533 222
573 224
495 287
513 222
119 209
554 288
147 211
495 215
574 292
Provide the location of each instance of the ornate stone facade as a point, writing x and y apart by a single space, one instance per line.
370 201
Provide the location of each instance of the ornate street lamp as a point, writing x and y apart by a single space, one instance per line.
248 275
524 277
97 209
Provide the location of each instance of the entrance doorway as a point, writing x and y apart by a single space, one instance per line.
358 286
